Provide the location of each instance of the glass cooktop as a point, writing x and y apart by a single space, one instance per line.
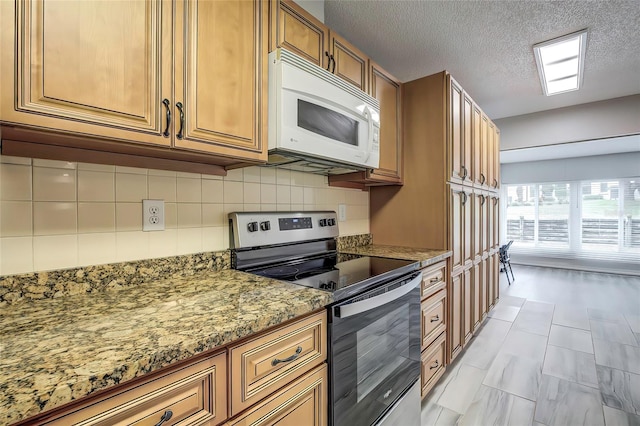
341 274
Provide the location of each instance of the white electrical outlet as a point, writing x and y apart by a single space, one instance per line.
342 212
153 215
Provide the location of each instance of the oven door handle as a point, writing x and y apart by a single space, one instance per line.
351 309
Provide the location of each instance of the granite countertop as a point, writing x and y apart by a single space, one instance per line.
425 256
54 351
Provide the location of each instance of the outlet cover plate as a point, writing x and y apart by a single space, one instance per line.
342 212
153 215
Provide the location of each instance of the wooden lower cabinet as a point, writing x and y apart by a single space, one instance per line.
434 310
193 394
433 364
456 312
467 303
264 364
303 402
476 308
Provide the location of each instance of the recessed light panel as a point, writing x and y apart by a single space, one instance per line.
560 62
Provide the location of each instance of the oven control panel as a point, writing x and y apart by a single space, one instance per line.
253 229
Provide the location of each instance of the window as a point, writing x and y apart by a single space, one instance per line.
590 218
538 214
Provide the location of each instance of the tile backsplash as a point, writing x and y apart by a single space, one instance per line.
56 214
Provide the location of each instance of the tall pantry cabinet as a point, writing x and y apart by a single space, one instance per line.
450 197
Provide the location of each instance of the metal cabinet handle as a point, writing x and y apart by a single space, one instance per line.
464 173
333 70
495 201
435 319
434 280
464 201
434 365
482 199
180 108
328 60
167 105
495 183
277 361
166 416
482 178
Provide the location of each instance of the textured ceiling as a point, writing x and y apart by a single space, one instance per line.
487 45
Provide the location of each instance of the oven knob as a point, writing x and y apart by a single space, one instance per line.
331 222
265 226
323 222
252 226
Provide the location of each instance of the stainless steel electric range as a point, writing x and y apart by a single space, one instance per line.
374 322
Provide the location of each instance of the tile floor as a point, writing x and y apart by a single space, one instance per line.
560 348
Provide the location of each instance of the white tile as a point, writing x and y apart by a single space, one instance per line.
54 184
494 407
526 345
52 218
562 403
96 217
571 338
461 388
212 191
131 187
283 194
233 192
15 182
267 175
213 215
96 249
163 243
213 238
129 217
613 332
504 312
577 367
17 255
55 252
252 174
189 215
188 190
189 240
571 316
9 159
163 188
132 245
514 374
97 167
268 194
96 186
236 175
38 162
131 170
283 177
251 193
613 417
16 218
620 389
297 195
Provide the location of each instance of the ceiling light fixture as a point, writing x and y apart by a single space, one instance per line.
561 62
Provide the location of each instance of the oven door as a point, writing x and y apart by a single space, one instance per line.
375 351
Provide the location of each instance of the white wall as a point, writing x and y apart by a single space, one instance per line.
314 7
596 120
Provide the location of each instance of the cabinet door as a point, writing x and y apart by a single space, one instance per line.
349 63
299 32
490 153
484 286
433 310
495 207
454 131
221 77
303 402
467 139
467 238
386 89
477 212
486 246
456 312
496 158
484 150
490 224
476 137
496 278
456 208
477 304
467 302
90 67
490 285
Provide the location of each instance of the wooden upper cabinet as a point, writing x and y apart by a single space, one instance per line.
455 130
484 150
476 136
348 63
221 77
496 157
490 156
299 32
467 139
97 67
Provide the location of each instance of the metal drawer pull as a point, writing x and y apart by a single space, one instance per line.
435 365
464 172
277 361
180 135
436 318
434 280
483 179
166 104
166 416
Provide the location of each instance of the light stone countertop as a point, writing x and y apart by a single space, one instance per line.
54 351
425 256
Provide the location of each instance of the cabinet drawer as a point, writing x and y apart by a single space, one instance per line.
433 317
433 278
432 364
303 402
270 361
194 394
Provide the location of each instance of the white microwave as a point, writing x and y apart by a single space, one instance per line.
317 121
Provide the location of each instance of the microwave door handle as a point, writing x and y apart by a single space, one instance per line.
367 152
356 308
